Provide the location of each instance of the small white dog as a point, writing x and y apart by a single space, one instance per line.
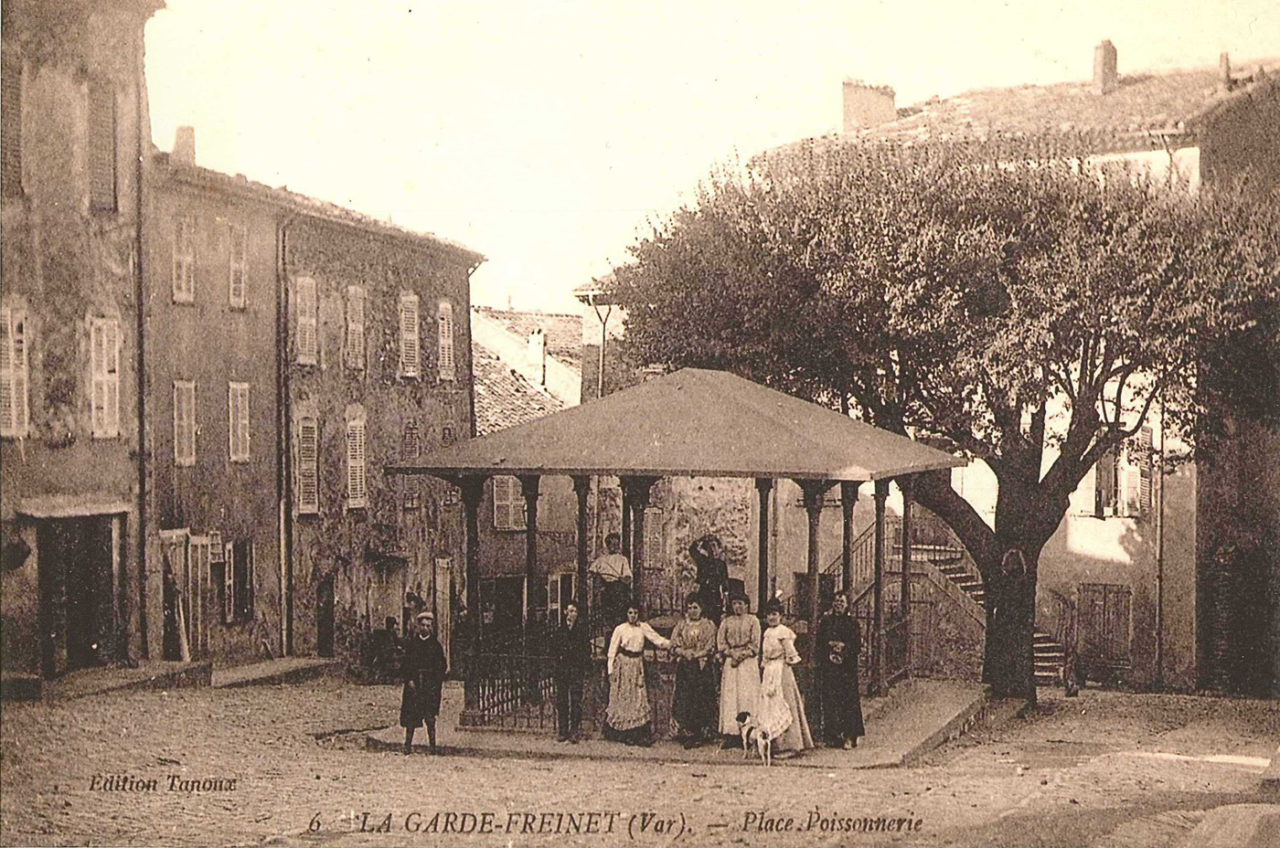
753 734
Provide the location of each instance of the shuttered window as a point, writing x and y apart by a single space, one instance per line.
11 122
308 466
444 320
102 146
184 259
409 336
508 504
1146 484
238 421
355 328
1105 485
184 423
104 363
305 301
357 494
14 373
239 266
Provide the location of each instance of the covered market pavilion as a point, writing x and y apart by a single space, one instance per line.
694 423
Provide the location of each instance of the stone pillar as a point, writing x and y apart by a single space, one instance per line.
635 493
582 488
813 494
763 486
881 494
472 493
529 488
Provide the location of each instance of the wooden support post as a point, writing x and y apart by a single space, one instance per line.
763 487
635 492
904 610
582 488
848 499
529 488
626 521
472 492
881 494
814 490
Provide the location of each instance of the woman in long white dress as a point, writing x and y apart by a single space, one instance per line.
781 710
628 716
738 643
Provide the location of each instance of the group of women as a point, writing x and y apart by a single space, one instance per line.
756 681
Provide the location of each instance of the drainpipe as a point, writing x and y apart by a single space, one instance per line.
284 457
1160 560
140 291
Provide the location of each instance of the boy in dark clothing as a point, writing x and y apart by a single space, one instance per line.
835 655
571 648
423 670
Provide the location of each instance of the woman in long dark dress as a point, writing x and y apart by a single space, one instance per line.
693 642
423 669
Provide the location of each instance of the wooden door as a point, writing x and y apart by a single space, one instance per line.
1104 628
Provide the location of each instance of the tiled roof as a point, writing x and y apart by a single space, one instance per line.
1142 103
239 184
563 332
502 397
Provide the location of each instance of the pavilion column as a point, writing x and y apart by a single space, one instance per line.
813 494
626 520
472 492
848 499
582 488
904 611
635 492
881 495
529 488
763 486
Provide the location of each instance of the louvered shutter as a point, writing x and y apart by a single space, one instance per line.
445 337
409 344
306 321
184 425
14 378
308 466
239 265
102 146
355 327
357 495
104 355
184 259
1146 488
238 421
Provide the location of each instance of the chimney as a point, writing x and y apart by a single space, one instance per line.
184 147
1105 78
1224 71
538 355
867 105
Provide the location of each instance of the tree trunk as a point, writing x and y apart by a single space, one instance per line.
1009 654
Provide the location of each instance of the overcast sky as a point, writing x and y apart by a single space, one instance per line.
545 134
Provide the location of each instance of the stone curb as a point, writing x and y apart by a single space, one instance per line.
300 674
961 723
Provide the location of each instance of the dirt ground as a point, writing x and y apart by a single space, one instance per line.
284 765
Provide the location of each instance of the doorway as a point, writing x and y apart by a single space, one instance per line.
324 617
77 593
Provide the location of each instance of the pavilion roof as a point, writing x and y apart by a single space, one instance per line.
691 423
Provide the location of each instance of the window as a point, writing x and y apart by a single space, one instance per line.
1106 494
410 448
445 336
238 421
184 423
306 321
14 375
357 494
355 328
237 584
508 504
104 362
409 356
308 466
102 146
239 265
184 259
11 123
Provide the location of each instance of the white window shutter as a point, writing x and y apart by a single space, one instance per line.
409 336
104 366
307 342
14 374
1146 484
355 327
238 421
448 370
184 259
308 466
184 425
357 494
239 265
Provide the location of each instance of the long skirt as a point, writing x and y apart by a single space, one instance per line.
694 704
782 708
628 698
739 693
841 706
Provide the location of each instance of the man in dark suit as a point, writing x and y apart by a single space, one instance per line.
571 648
